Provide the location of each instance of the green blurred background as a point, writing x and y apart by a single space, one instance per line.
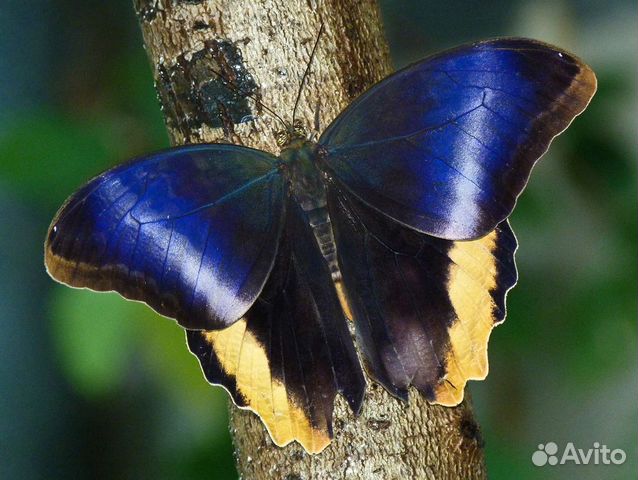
92 386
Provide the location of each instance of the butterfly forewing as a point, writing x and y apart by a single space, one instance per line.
193 232
446 145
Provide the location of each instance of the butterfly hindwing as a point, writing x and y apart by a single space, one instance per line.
423 306
292 352
192 231
446 145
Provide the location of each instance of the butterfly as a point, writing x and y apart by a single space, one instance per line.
394 220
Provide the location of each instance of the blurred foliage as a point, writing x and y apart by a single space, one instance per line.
85 348
96 387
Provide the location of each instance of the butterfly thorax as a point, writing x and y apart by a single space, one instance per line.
306 183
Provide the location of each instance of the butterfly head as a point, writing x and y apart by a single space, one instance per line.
292 134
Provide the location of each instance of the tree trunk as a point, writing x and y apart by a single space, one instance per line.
263 48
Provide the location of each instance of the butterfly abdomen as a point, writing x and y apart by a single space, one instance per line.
319 220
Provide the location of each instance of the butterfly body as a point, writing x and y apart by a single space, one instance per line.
402 204
302 173
307 182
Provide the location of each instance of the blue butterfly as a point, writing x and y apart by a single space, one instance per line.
396 218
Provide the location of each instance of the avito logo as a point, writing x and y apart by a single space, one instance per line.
548 454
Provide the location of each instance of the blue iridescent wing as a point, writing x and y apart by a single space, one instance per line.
446 145
287 358
192 231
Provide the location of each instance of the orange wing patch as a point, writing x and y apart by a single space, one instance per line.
481 273
244 362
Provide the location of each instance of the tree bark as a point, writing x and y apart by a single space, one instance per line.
263 48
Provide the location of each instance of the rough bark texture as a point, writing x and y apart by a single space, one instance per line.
263 48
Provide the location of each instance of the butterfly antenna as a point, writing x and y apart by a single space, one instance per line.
305 74
269 110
